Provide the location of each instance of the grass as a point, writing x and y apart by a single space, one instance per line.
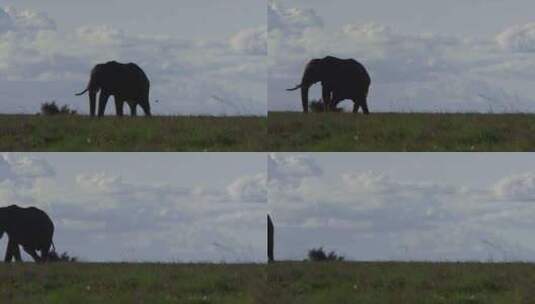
426 283
164 133
282 283
293 131
131 283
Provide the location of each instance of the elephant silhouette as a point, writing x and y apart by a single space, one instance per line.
30 228
340 79
126 82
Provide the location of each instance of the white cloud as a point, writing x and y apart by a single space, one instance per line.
518 38
100 35
250 41
29 167
291 167
99 182
12 19
291 20
516 187
249 188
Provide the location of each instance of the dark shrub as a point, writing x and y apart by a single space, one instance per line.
319 106
54 257
319 255
51 108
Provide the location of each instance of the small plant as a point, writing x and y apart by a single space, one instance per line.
319 106
319 255
51 108
54 257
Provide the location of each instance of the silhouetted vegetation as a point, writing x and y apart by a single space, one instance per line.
317 106
51 108
54 257
319 255
400 132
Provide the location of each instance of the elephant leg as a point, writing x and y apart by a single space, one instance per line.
103 100
45 252
92 102
326 96
119 103
365 107
33 254
146 108
9 252
133 109
356 106
12 251
16 253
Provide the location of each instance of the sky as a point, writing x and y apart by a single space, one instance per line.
404 206
145 207
423 55
202 57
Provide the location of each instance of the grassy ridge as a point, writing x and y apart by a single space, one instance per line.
292 131
131 283
426 283
81 133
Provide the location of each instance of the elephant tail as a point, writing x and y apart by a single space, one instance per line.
82 93
297 87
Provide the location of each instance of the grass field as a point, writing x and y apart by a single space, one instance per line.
429 283
81 133
281 283
293 131
131 283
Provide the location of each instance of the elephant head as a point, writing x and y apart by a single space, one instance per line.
30 228
314 72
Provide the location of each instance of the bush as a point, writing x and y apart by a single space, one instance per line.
319 106
54 257
51 108
319 255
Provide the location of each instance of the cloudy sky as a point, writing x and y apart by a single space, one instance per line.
202 56
459 55
145 206
404 206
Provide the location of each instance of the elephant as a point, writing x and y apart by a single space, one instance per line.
126 82
30 228
340 79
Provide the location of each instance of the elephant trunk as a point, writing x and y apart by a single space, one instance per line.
304 97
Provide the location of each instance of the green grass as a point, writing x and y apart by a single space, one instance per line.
172 133
293 131
281 283
426 283
131 283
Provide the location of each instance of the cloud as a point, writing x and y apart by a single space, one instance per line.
100 35
291 20
291 167
12 19
250 41
99 182
519 187
249 188
518 38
